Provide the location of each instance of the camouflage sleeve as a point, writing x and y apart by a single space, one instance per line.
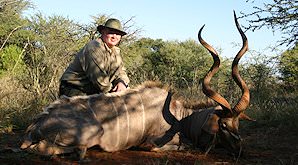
120 74
95 68
122 77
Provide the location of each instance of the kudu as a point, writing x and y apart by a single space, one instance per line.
147 115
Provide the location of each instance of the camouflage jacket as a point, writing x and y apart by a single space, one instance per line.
98 66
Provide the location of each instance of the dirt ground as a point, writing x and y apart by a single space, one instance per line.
262 145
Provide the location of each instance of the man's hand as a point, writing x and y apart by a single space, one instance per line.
119 87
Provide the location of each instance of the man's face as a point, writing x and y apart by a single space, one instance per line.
111 37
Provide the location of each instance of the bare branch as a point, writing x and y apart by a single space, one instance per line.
16 28
281 15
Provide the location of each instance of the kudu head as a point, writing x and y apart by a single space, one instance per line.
226 120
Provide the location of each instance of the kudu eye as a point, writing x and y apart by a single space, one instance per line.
224 125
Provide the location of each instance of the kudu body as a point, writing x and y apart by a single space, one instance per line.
147 114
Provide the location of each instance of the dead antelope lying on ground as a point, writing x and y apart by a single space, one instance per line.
147 115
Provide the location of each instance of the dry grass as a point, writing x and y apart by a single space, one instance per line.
16 105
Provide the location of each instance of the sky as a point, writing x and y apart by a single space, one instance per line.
172 19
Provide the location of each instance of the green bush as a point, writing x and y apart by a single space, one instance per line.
11 60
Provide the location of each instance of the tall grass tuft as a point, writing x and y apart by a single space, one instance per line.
17 105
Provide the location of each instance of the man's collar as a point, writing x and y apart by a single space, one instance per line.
115 49
107 48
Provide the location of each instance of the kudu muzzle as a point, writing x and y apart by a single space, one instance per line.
229 140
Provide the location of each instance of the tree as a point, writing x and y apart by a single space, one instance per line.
13 36
56 39
288 67
168 61
279 15
12 26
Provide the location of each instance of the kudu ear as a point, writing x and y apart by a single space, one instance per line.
245 117
211 126
175 106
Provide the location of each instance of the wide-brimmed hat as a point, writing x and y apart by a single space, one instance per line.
114 24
